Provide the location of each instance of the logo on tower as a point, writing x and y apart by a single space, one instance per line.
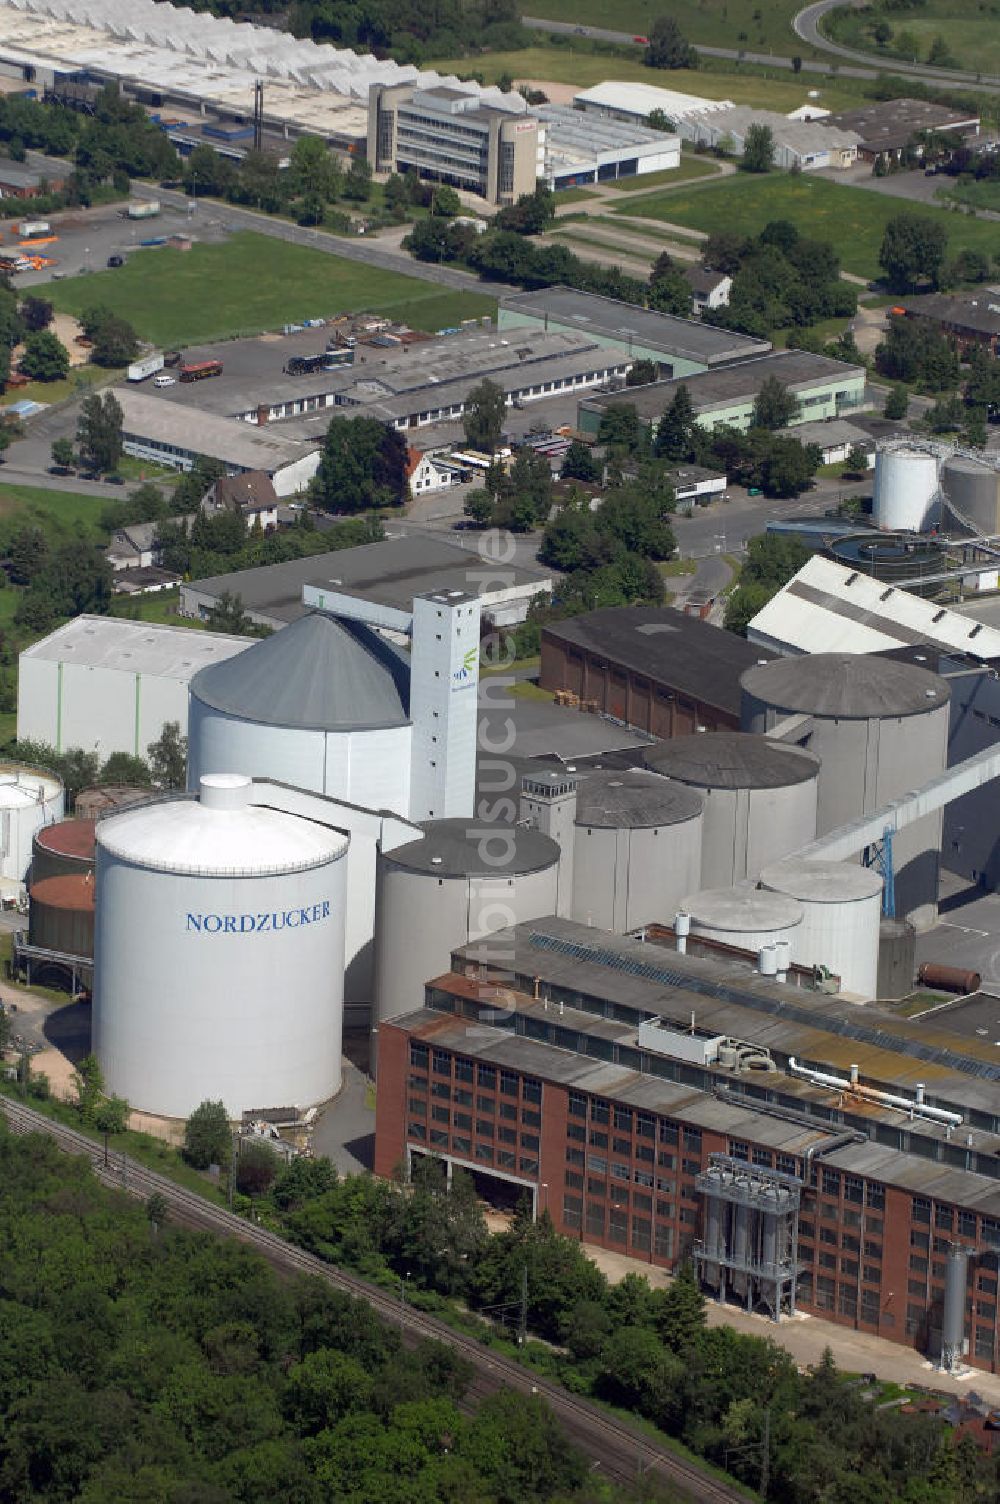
463 674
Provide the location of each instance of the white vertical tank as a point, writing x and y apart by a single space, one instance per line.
458 882
29 799
219 954
841 913
907 495
759 798
747 918
637 849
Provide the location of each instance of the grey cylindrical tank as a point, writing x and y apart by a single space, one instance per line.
842 905
747 918
637 849
760 798
880 728
897 963
455 884
974 489
955 1301
61 914
713 1226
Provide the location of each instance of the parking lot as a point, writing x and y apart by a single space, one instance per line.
85 238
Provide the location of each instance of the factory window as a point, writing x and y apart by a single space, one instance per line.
666 1186
828 1261
921 1209
417 1083
849 1267
576 1131
987 1284
641 1233
595 1187
645 1153
851 1219
854 1189
577 1105
463 1069
442 1090
941 1245
418 1056
623 1119
486 1076
418 1106
464 1121
532 1090
531 1119
824 1288
828 1235
688 1215
641 1202
852 1244
484 1129
620 1172
664 1209
529 1166
984 1342
599 1140
642 1178
914 1319
937 1270
830 1211
508 1112
692 1139
918 1264
990 1232
574 1156
463 1098
618 1224
530 1141
442 1062
806 1230
831 1183
667 1132
763 1157
944 1217
506 1160
572 1211
787 1164
920 1239
872 1273
874 1225
508 1083
416 1130
440 1114
691 1167
507 1135
439 1138
599 1111
967 1224
486 1104
621 1145
847 1304
597 1164
644 1126
872 1250
575 1180
666 1161
485 1152
595 1218
738 1149
875 1194
664 1244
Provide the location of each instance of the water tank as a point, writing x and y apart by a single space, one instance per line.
747 918
322 705
219 953
906 490
106 797
974 489
636 851
759 798
61 914
897 945
841 910
63 848
455 884
29 799
880 729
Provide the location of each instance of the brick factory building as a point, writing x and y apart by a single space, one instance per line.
619 1092
650 666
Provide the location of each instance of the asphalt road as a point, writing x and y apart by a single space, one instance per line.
806 27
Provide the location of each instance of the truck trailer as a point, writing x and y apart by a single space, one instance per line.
148 209
141 370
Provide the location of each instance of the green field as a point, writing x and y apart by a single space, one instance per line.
970 28
982 195
718 23
56 512
254 282
562 65
852 220
691 169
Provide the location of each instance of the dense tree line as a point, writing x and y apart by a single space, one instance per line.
781 280
144 1362
220 542
163 767
771 561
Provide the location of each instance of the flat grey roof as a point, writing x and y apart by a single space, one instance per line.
731 760
589 312
191 429
853 686
457 848
633 800
389 573
891 123
136 647
981 313
796 369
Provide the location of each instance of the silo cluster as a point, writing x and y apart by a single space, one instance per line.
841 905
907 497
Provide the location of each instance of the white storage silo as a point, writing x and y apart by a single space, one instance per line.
219 953
759 798
880 728
636 849
29 799
458 882
841 913
907 496
322 704
747 918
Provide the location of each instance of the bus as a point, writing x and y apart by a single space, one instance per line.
199 369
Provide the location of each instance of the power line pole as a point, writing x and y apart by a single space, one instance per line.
522 1325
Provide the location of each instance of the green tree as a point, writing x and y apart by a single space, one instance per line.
483 418
358 183
681 1317
620 428
642 373
363 464
857 461
668 47
88 1083
758 149
256 1167
445 202
669 289
124 767
111 1115
99 431
168 757
913 251
675 429
45 357
157 1210
659 120
314 169
579 463
36 313
63 453
774 406
227 614
207 1136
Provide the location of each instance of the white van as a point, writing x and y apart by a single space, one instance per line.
165 381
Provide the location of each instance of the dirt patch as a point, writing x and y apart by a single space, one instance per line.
65 327
557 93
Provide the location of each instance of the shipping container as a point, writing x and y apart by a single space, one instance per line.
146 210
29 227
139 370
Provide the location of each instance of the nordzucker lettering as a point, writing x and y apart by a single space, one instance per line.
258 924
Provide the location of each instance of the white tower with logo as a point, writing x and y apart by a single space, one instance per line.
444 704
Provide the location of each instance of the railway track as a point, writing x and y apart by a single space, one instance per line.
617 1450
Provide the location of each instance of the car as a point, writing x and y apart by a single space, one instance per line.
165 381
116 260
643 41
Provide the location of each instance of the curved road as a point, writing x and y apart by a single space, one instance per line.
806 27
618 1450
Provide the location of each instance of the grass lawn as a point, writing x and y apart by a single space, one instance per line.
160 608
720 23
55 511
79 380
982 195
968 27
691 167
852 220
254 282
563 65
134 469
